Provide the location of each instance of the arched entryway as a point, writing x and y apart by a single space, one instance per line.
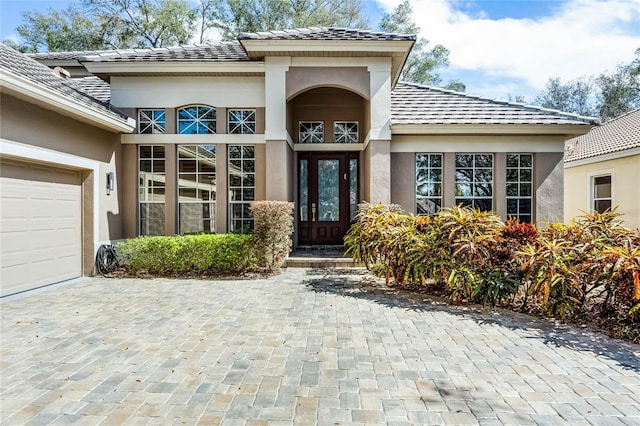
328 126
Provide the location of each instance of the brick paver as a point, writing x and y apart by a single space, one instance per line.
308 346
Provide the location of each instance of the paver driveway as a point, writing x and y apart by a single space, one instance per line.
308 346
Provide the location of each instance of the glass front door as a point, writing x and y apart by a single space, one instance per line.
327 196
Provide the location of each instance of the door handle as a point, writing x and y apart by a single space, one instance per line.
313 212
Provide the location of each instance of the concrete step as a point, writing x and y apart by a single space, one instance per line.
321 262
321 257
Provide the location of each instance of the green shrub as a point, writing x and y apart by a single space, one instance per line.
206 254
273 227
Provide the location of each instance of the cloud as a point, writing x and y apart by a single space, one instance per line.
577 38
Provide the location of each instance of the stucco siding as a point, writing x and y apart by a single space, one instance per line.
162 92
33 126
403 180
625 176
548 188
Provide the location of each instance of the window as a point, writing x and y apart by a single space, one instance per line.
242 186
520 186
428 183
242 121
196 189
151 189
474 180
311 132
197 120
601 193
345 132
151 121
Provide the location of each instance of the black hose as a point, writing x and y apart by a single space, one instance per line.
106 259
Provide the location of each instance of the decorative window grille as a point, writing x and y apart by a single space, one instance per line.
242 121
345 132
151 121
311 132
197 120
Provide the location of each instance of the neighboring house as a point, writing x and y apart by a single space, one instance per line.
315 116
602 170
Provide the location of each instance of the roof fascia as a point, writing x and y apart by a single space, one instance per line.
30 91
603 157
569 130
374 46
178 67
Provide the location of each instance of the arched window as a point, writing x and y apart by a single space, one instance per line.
197 120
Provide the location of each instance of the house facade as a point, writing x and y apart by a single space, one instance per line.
315 116
602 170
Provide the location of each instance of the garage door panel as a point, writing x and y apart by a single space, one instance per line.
40 218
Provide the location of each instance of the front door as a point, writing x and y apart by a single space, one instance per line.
327 196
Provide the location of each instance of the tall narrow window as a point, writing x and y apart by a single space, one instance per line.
520 186
428 183
151 121
242 121
345 132
311 132
151 189
242 186
197 120
602 193
197 189
474 180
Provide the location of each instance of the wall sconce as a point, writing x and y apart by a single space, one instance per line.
111 180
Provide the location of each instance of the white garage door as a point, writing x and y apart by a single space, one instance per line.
40 226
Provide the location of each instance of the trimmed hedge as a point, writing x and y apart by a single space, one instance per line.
206 254
273 227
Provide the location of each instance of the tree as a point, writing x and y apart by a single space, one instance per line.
575 96
607 96
234 16
147 23
620 91
63 30
422 63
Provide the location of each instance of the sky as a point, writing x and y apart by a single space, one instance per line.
498 48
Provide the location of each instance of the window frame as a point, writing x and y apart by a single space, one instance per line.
310 133
152 159
346 132
231 202
428 169
592 190
242 123
473 182
518 198
197 119
152 121
212 202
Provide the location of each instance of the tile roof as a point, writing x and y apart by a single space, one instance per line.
417 104
16 63
221 51
94 86
75 54
619 134
326 33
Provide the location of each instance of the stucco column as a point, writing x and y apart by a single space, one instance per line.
171 181
277 167
500 184
378 152
548 184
